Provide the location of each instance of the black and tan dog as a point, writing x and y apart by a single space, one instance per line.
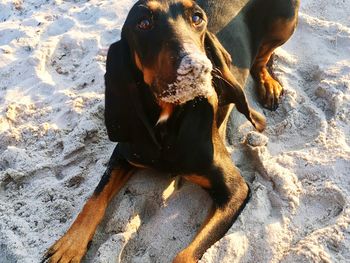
170 86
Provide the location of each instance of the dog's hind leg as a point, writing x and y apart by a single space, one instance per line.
230 193
73 245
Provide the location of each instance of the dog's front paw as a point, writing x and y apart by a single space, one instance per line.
184 257
270 92
69 249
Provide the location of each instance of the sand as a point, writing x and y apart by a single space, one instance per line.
54 147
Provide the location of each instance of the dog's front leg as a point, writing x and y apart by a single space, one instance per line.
230 194
73 245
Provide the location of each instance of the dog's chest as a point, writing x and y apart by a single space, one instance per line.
186 139
182 144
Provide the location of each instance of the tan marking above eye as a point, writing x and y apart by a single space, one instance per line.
187 3
153 5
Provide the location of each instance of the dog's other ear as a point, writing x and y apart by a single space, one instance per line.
118 79
227 87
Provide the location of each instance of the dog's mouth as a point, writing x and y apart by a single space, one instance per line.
193 80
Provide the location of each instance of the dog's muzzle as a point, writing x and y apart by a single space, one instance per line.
193 78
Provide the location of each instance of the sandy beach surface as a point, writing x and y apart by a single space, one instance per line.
54 147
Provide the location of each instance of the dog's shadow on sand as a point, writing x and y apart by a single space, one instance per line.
150 220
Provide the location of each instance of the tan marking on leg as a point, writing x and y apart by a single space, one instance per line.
138 165
73 244
218 221
200 180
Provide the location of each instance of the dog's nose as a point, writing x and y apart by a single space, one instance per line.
194 64
193 70
194 61
193 79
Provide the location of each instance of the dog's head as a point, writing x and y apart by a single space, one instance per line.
165 45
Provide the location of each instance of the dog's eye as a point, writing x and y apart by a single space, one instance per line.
145 24
197 19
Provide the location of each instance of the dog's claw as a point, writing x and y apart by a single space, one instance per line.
275 105
48 254
45 258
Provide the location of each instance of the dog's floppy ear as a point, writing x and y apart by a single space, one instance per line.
227 87
118 79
